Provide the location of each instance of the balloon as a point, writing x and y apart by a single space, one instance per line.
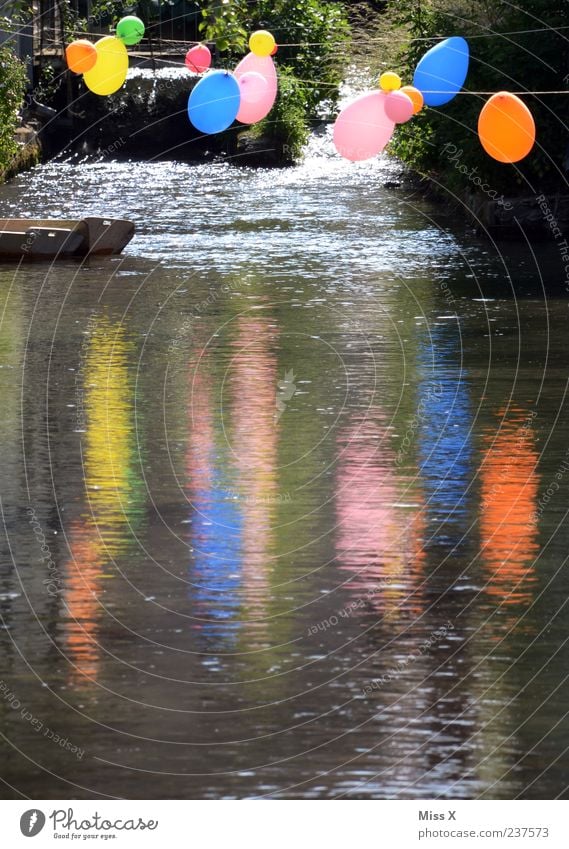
261 43
214 102
130 30
506 127
81 56
363 129
250 113
198 58
252 86
442 71
274 50
389 81
398 107
415 95
110 70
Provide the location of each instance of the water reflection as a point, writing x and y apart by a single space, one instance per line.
444 418
328 530
379 538
112 486
232 460
254 434
509 492
215 575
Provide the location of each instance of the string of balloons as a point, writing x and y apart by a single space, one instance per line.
220 97
506 127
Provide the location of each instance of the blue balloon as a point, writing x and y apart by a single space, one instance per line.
442 68
214 102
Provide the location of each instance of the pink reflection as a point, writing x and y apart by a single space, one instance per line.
378 538
201 443
253 386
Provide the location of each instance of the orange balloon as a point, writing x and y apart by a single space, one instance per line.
81 56
414 96
506 128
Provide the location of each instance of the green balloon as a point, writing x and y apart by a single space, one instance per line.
130 30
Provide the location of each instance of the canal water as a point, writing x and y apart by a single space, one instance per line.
283 493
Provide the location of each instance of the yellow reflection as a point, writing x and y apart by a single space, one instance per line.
111 487
12 337
109 444
509 497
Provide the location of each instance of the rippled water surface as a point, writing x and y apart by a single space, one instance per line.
283 494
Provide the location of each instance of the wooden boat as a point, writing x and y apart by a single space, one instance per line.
27 239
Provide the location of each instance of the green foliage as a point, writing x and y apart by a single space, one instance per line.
533 61
318 35
313 36
286 125
224 24
103 11
14 13
48 83
12 87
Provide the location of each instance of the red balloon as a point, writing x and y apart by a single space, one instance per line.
198 59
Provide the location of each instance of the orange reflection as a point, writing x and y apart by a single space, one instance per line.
81 596
509 497
378 538
110 486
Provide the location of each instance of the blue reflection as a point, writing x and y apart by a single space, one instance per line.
444 432
216 576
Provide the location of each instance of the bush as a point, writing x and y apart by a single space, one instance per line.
314 35
13 83
286 125
532 61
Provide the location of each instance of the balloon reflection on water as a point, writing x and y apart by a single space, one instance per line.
231 464
378 539
113 490
508 503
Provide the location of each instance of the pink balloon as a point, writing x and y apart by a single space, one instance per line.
363 129
252 86
198 59
250 113
398 107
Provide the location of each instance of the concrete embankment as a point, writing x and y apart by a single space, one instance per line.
27 155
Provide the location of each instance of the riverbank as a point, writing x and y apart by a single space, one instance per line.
28 154
539 217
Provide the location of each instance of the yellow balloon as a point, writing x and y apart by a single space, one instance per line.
262 43
390 81
110 70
